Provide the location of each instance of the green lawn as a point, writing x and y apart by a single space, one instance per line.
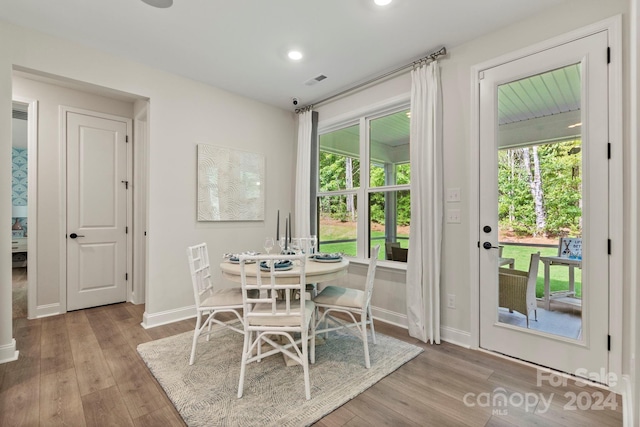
349 248
559 276
558 281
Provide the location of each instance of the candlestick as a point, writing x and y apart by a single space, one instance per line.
278 226
286 234
290 227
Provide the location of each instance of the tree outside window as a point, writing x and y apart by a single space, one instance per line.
382 183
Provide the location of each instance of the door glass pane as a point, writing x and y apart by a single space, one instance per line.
540 202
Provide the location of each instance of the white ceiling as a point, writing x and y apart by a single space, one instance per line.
241 45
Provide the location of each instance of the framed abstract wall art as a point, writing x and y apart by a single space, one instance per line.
230 184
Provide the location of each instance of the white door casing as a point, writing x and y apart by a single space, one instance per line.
96 209
590 353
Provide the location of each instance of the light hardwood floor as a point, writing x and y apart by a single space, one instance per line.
82 368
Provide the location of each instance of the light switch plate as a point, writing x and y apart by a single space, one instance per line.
453 216
453 194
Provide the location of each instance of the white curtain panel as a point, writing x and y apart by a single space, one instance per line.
423 268
302 214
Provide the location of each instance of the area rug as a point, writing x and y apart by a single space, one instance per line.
205 394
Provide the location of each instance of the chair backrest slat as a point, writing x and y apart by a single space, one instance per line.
371 274
276 283
200 271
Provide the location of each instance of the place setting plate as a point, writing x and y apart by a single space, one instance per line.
235 259
280 266
326 257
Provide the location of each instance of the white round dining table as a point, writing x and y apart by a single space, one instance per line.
316 272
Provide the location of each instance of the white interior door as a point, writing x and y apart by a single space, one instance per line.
524 82
96 210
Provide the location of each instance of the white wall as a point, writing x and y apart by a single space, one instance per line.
456 78
182 113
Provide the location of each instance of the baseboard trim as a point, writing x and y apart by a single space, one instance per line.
450 335
136 299
151 320
8 352
48 310
390 317
455 336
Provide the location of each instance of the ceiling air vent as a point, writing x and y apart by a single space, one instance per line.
315 80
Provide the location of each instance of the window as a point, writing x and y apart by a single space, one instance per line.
364 203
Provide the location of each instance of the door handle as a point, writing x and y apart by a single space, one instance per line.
74 235
488 245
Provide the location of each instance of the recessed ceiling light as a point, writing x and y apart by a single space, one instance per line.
159 3
295 55
382 2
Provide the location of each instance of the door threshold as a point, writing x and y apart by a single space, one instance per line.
548 370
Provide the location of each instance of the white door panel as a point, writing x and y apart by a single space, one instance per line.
588 352
96 211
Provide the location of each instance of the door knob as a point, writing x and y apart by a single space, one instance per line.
74 235
488 245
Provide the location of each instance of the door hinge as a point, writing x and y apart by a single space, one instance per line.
609 246
126 138
608 150
608 55
126 230
126 184
481 75
608 342
126 276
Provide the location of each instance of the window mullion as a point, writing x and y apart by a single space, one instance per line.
363 193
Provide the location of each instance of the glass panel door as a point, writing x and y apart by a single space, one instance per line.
544 207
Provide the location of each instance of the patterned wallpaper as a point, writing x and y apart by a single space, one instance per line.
19 181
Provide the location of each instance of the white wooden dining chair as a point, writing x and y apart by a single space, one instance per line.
210 301
351 302
273 321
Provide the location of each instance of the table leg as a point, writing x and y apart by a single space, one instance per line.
547 291
572 283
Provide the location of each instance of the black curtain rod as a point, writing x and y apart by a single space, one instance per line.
430 57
